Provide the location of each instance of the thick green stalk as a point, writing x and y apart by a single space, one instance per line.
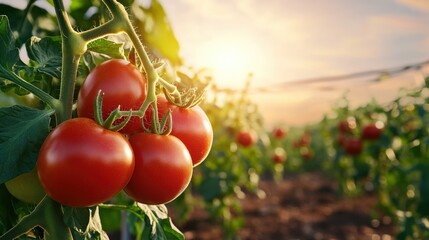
73 47
120 14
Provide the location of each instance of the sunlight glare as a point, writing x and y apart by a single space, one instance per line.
230 61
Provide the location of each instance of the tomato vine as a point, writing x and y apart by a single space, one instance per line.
53 73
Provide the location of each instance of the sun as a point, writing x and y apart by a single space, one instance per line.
229 59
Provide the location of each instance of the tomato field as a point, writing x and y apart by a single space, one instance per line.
106 134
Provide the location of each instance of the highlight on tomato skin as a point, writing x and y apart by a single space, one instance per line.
121 83
81 164
163 168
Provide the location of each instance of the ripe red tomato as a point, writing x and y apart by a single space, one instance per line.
245 138
353 146
346 126
190 125
163 168
279 133
122 84
372 131
82 164
279 155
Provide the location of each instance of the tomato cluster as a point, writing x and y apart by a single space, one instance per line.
83 164
353 143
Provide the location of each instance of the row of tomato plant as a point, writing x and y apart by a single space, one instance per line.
374 149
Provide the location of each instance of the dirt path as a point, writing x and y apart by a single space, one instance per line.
304 207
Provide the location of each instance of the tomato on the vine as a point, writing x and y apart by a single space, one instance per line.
279 133
163 168
26 187
245 138
279 155
372 131
82 164
353 146
190 125
122 85
347 126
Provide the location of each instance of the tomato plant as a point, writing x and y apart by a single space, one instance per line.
122 85
82 164
163 168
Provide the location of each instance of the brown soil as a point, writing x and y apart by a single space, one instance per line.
301 207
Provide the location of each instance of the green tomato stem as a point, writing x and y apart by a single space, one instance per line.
73 47
45 97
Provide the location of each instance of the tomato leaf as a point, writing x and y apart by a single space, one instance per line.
156 225
10 52
46 52
84 222
104 46
22 131
153 25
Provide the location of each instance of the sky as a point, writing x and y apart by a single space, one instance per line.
286 40
281 41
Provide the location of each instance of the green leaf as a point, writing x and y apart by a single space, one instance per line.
156 223
7 63
104 46
7 41
46 53
84 222
22 132
156 31
7 46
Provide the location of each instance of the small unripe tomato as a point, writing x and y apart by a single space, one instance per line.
26 187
